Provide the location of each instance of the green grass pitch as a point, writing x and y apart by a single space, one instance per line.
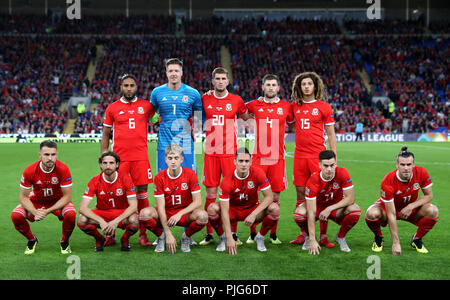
366 162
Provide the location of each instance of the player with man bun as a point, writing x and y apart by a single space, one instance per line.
399 200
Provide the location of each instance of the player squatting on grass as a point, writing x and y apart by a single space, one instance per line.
51 182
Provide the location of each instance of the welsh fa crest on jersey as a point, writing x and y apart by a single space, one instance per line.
140 110
335 185
185 99
250 184
119 192
184 186
315 112
228 107
279 111
55 180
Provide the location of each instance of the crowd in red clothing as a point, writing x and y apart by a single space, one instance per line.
35 74
37 71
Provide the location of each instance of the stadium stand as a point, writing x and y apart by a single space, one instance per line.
402 60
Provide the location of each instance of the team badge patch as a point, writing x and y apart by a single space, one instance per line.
184 186
315 112
55 180
140 110
250 184
229 107
119 192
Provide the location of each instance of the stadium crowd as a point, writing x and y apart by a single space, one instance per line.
35 75
38 71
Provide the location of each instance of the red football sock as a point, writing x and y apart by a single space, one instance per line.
425 224
91 229
234 227
302 222
323 227
253 228
375 226
129 231
209 199
268 222
348 222
21 224
142 199
194 227
216 223
273 230
68 223
151 224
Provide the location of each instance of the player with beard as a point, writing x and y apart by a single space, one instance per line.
45 187
400 200
116 203
126 121
271 115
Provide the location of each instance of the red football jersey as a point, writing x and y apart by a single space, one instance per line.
129 121
270 121
311 118
329 192
220 123
110 195
177 191
46 185
243 192
401 192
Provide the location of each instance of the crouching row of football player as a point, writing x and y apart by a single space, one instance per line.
46 188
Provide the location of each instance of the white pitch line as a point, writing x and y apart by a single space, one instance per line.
290 154
393 162
424 146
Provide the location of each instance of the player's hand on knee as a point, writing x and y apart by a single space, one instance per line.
250 220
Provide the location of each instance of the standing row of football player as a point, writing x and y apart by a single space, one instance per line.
324 190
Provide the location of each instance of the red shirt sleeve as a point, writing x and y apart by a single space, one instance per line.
66 177
425 179
242 108
310 190
109 118
91 189
290 113
345 179
387 190
262 180
151 110
250 106
193 183
26 181
159 185
328 115
224 192
129 186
